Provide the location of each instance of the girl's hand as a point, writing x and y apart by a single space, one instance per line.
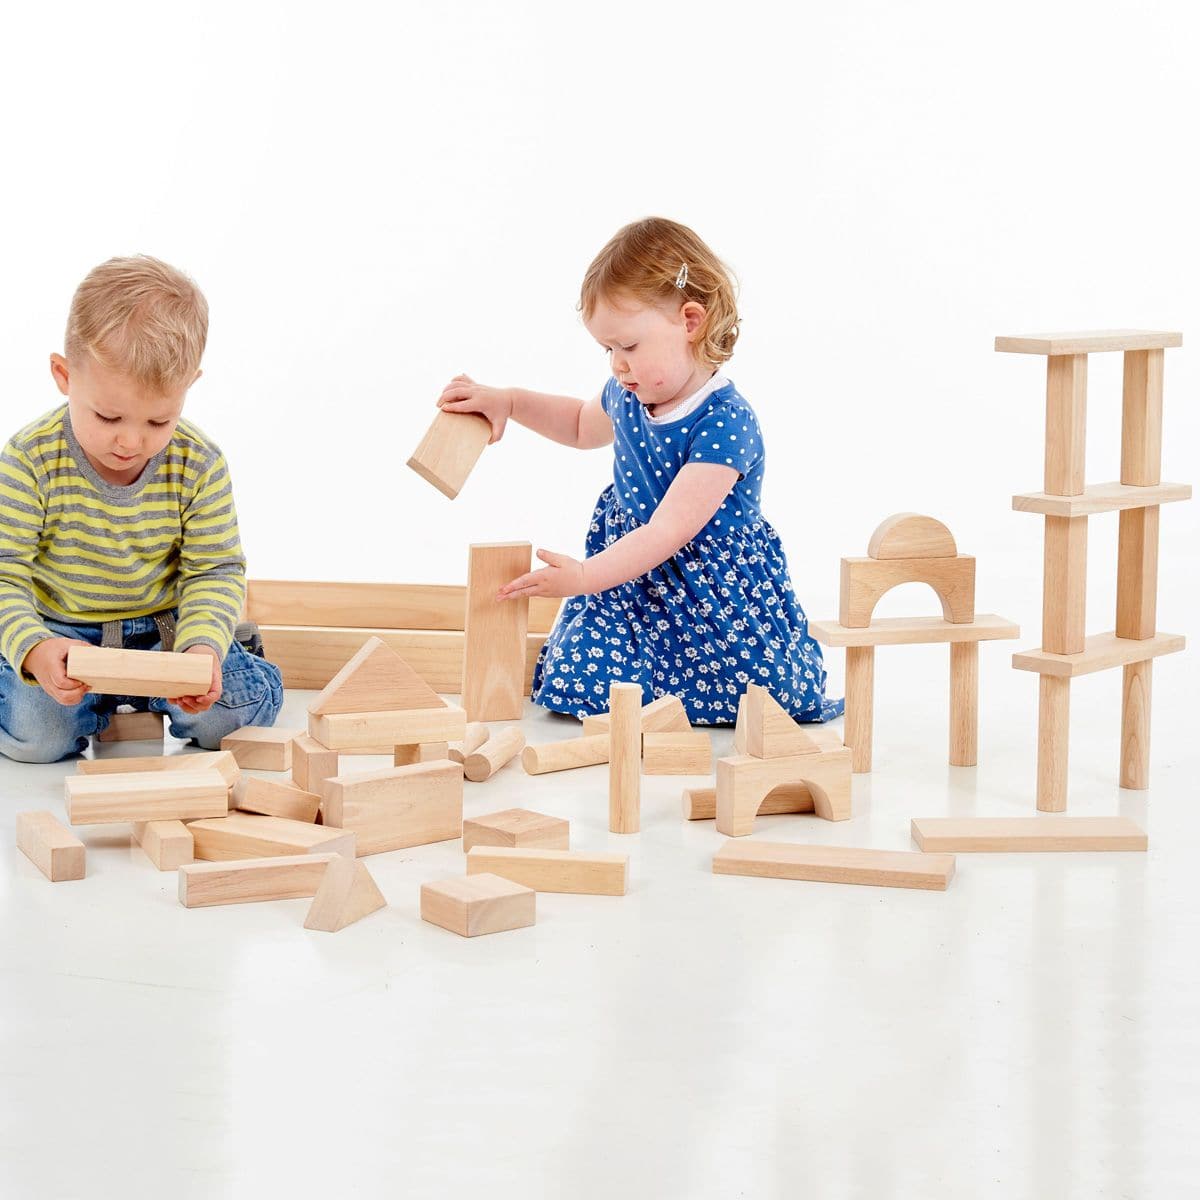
195 704
462 394
563 577
47 663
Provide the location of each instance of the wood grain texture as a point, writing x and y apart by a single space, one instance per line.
140 672
494 656
1101 498
258 748
221 761
474 905
1100 652
396 807
375 679
1141 417
1089 342
451 447
964 704
346 894
249 835
1066 424
278 877
145 796
625 757
835 864
677 753
1137 573
405 756
1054 733
566 755
860 706
1064 587
915 631
517 827
168 844
275 798
866 580
553 870
132 727
366 731
51 846
986 835
500 749
911 535
1136 686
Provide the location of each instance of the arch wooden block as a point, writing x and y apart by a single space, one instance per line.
700 804
625 758
450 449
911 535
1004 835
420 752
346 894
743 782
367 732
865 580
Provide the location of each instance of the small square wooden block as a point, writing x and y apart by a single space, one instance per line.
260 749
475 904
517 827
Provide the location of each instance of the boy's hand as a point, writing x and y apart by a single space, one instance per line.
47 663
563 577
195 704
463 395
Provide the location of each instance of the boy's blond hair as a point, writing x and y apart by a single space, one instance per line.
142 317
655 260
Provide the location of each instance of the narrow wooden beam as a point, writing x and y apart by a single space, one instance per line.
835 864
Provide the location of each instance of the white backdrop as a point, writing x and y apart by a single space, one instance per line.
377 197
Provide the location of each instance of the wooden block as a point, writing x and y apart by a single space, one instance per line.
312 763
258 748
133 727
450 449
988 835
478 904
278 877
566 755
911 535
700 804
553 870
964 704
50 846
1064 591
494 657
391 606
348 732
625 757
1101 498
168 844
1137 573
836 864
516 827
860 706
914 631
145 796
477 733
1089 343
865 580
405 756
664 715
275 798
743 781
221 761
347 894
676 753
1066 424
1100 652
770 730
739 727
375 679
482 764
248 835
1054 728
398 806
1141 418
1135 725
140 672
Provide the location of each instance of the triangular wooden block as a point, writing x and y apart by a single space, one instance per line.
376 679
347 894
770 732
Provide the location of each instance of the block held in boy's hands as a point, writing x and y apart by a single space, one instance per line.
140 672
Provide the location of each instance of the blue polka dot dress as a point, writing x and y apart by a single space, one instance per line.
718 615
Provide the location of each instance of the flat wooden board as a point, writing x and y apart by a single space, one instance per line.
1088 342
553 870
835 864
494 658
116 672
1101 498
145 796
915 631
248 835
279 877
218 760
983 835
1101 651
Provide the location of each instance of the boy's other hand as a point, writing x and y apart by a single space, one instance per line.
562 577
47 663
195 704
463 395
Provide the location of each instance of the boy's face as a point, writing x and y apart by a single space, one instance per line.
117 422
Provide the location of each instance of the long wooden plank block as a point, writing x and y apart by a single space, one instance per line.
986 835
624 757
403 727
398 806
145 796
261 748
1101 498
677 753
915 631
835 864
1100 651
275 798
140 672
1089 342
281 877
51 846
495 632
553 870
168 844
248 835
222 761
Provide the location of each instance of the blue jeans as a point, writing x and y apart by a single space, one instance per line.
35 728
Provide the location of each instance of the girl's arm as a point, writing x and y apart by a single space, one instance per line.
690 503
563 419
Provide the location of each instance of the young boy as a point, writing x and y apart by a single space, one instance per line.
117 525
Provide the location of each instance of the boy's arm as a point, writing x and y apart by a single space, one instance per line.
212 568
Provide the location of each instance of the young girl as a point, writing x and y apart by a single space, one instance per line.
685 587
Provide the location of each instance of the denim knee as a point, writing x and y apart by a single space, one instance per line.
35 728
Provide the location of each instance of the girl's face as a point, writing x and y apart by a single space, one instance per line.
652 348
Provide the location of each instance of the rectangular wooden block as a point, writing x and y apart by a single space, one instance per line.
624 758
1141 417
132 727
986 835
664 715
221 761
912 631
312 763
1064 592
494 657
1089 342
248 835
275 798
1066 424
257 748
1100 652
50 846
677 753
140 672
398 806
478 904
451 447
553 870
405 756
1101 498
1137 573
280 877
516 827
168 844
835 864
348 732
145 796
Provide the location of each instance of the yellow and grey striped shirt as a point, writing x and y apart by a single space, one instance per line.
76 548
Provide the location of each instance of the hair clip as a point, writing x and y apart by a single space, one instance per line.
681 278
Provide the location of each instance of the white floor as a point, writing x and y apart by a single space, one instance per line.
1032 1032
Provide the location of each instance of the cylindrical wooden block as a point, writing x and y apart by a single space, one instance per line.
1137 573
625 758
566 755
1054 712
1141 418
1066 422
1064 585
860 705
1135 726
964 704
493 754
477 733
